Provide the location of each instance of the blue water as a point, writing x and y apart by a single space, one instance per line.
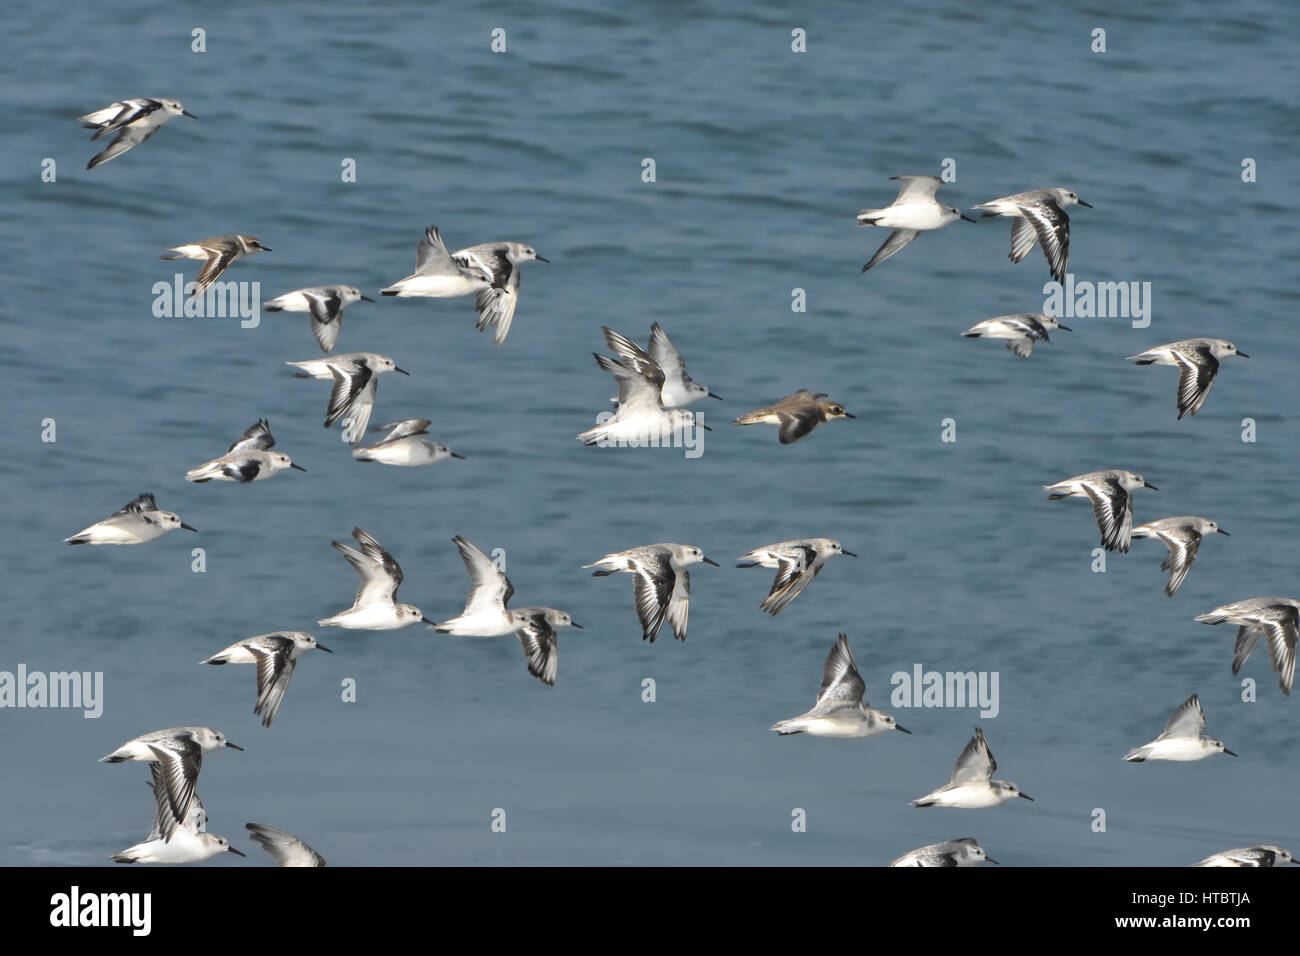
763 157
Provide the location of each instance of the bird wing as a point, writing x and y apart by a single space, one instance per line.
842 686
257 438
916 187
541 647
896 241
976 763
1197 368
490 590
1187 721
655 581
1052 226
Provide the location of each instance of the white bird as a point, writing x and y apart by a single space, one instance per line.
1278 618
797 563
1182 739
678 389
405 445
1197 361
133 120
189 842
490 270
276 655
179 752
489 592
1021 330
1266 854
217 253
135 522
375 607
841 708
1038 216
356 378
662 587
287 850
1182 536
972 785
537 637
797 414
961 852
913 211
247 459
325 303
640 419
1112 502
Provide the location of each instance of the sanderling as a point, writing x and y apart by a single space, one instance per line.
961 852
1277 617
1182 536
1182 738
662 588
841 708
1266 854
325 303
537 637
489 270
189 843
179 752
640 418
218 252
678 389
490 591
287 850
1021 330
133 120
276 655
1112 503
405 445
913 211
135 522
797 414
375 607
972 786
797 563
356 378
248 459
1198 363
1038 216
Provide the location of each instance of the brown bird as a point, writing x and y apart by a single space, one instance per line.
797 414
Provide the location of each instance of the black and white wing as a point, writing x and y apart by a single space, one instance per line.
795 570
489 589
179 761
352 398
326 309
1052 227
1197 368
496 306
541 647
1187 721
257 438
842 686
287 850
275 665
896 241
402 429
976 763
653 592
1113 508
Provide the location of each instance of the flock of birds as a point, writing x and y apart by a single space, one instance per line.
654 391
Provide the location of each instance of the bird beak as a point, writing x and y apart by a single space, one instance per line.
1147 484
454 455
1229 752
719 397
189 114
708 560
366 298
402 370
902 728
1243 355
322 647
1026 797
296 467
1064 328
967 218
989 859
237 852
1221 531
425 620
1082 203
540 259
706 428
188 528
577 625
266 248
849 553
233 746
849 415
